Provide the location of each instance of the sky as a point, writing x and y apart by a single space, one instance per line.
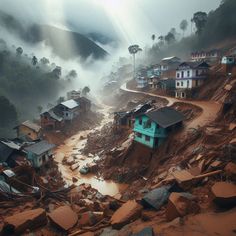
130 21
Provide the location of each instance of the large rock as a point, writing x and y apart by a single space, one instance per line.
128 212
224 194
18 223
90 218
181 204
64 217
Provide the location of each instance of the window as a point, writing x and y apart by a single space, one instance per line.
182 95
139 135
182 83
148 124
177 83
188 73
140 121
147 138
177 75
196 72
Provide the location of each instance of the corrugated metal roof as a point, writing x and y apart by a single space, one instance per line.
31 125
70 104
40 147
165 116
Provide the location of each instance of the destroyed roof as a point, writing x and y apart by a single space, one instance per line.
193 64
40 147
142 108
165 116
70 104
30 125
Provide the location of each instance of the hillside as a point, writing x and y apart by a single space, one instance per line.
66 44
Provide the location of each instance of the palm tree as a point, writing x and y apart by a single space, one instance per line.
153 38
133 49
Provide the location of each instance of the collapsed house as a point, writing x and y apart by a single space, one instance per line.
153 127
12 155
125 119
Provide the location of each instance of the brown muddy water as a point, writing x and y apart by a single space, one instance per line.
72 147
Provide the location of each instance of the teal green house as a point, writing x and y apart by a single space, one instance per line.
152 128
39 153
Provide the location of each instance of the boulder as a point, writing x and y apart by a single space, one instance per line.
181 204
64 217
90 218
128 212
224 194
18 223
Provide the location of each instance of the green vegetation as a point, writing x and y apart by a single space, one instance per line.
29 83
211 29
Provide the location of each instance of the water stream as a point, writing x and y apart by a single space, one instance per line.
72 148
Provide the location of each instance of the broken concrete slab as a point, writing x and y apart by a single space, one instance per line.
90 218
224 194
148 231
157 197
64 217
18 223
181 204
128 212
184 178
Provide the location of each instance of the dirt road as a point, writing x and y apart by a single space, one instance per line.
209 108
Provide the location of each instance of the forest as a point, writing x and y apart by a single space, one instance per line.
28 85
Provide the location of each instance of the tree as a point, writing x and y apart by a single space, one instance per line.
57 72
19 51
170 38
183 25
34 60
40 109
133 49
44 61
200 20
72 74
60 100
85 91
153 38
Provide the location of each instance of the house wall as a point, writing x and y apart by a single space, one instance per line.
153 132
142 82
26 131
38 161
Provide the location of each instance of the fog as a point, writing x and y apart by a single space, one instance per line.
122 22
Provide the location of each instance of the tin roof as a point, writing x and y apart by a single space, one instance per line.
40 147
70 104
165 116
31 125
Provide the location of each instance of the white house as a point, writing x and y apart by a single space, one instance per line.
190 75
142 82
69 109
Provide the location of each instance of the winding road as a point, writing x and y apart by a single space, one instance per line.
209 108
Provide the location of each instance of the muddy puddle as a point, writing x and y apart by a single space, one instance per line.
72 148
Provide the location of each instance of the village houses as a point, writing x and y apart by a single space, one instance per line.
28 131
190 75
39 153
208 56
153 127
